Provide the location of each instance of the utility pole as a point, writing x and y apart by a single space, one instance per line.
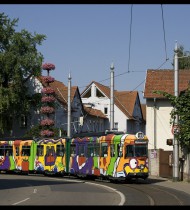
176 119
69 108
155 125
112 98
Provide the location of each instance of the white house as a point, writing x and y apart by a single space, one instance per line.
158 108
128 115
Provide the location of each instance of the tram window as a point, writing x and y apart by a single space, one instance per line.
104 149
50 151
112 148
96 150
40 150
17 151
25 150
119 150
8 150
81 150
129 151
141 150
60 150
90 150
2 150
73 150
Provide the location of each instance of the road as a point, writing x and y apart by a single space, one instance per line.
42 190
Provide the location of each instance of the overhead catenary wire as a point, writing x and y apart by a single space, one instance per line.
130 37
164 32
130 71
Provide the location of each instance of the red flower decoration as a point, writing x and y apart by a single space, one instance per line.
48 66
47 110
48 90
47 133
48 79
46 99
47 122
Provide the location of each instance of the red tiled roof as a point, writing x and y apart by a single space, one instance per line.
61 90
143 108
94 112
163 80
125 101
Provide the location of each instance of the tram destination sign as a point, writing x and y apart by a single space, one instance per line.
139 141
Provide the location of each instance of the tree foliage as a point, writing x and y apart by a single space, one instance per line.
34 132
184 58
181 107
19 61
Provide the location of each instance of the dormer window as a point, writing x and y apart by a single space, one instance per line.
98 93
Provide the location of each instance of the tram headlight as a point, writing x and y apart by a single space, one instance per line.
141 167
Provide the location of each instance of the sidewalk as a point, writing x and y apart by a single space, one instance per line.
180 185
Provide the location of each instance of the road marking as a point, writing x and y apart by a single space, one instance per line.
112 189
20 201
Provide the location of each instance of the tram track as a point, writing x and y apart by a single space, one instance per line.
157 196
142 192
145 193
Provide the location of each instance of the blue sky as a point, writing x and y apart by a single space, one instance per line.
85 39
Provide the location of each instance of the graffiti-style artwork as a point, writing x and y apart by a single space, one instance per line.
5 155
4 162
38 166
25 165
50 156
111 156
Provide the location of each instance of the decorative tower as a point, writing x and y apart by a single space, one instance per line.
48 103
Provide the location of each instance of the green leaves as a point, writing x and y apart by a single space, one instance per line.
19 61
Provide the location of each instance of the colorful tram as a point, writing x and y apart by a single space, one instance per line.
112 156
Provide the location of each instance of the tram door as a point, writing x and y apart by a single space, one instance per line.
50 157
104 158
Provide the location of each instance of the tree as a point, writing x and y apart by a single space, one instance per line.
19 61
34 132
182 109
184 61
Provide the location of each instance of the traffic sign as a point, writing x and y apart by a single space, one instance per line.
175 129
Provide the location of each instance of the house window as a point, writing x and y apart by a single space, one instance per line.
99 94
87 94
105 110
